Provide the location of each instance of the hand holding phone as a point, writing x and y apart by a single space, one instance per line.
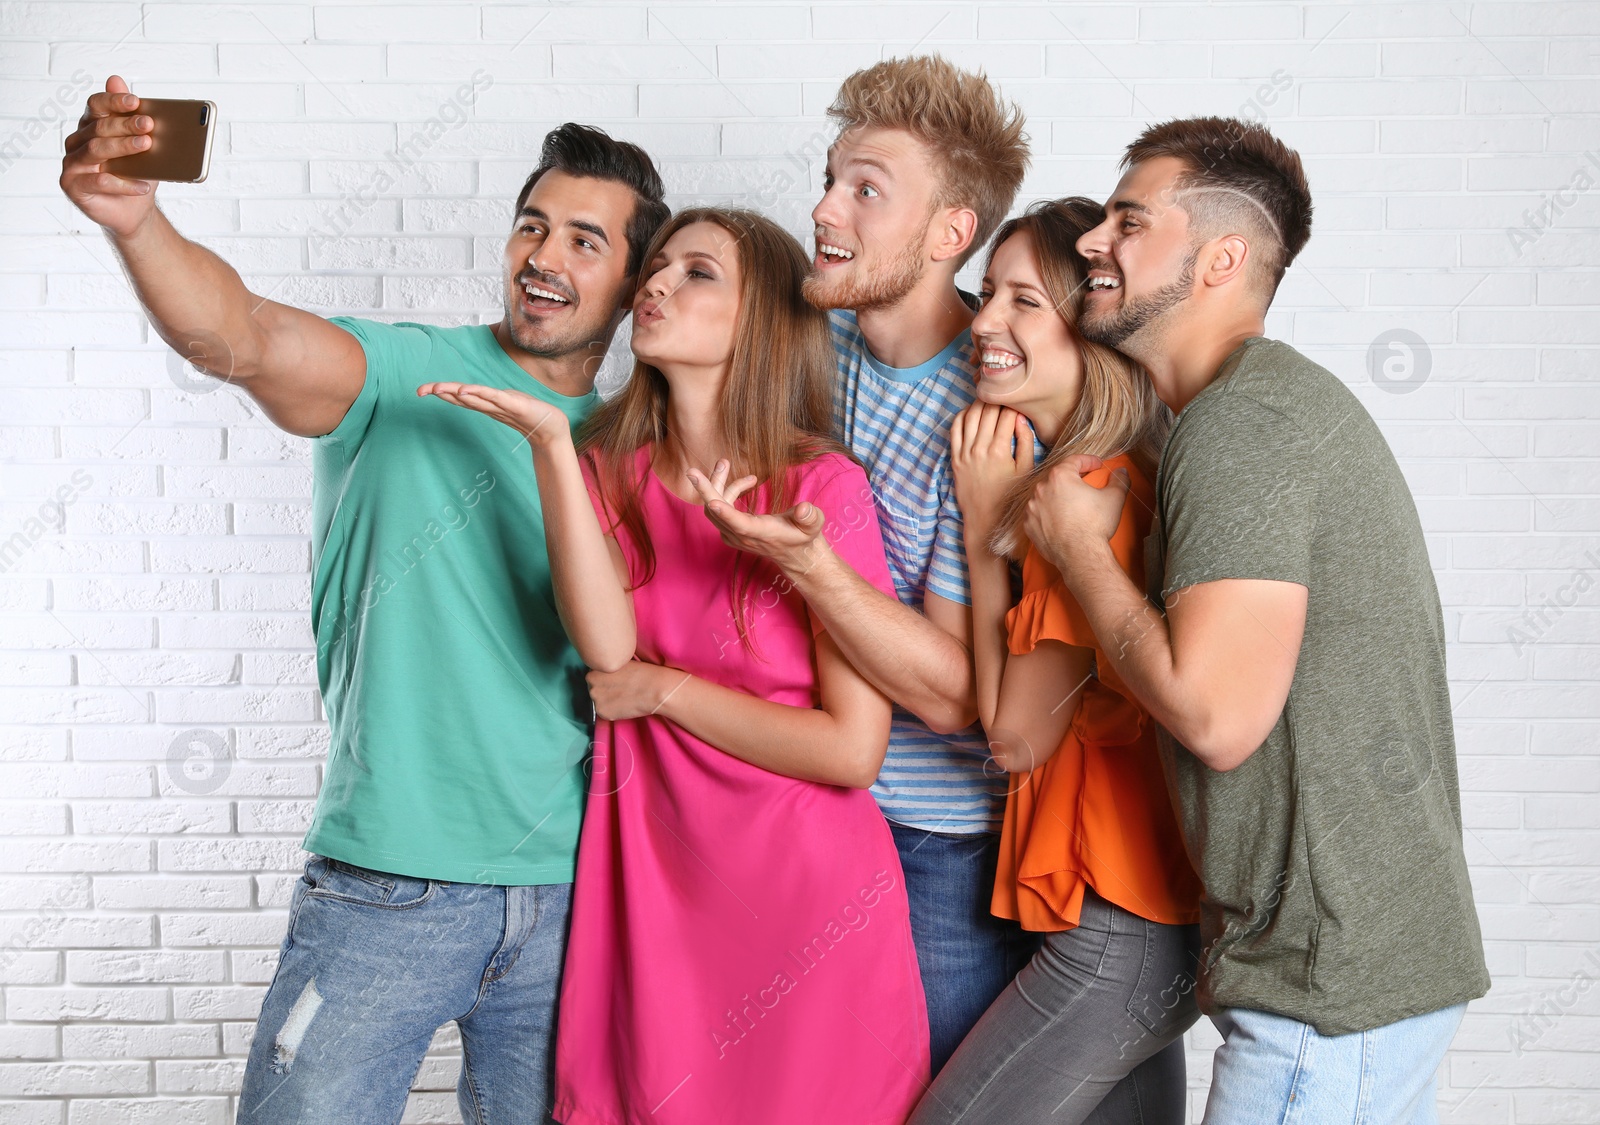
116 126
180 149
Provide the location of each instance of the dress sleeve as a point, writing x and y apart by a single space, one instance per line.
1047 610
839 487
395 353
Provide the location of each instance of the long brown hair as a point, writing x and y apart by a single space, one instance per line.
1118 411
776 408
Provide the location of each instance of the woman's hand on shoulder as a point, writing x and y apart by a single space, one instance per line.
991 447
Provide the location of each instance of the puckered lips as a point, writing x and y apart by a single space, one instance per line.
649 312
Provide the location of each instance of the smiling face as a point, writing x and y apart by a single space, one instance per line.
872 226
1141 259
566 263
1028 357
687 307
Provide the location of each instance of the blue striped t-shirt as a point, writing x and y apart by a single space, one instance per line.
897 422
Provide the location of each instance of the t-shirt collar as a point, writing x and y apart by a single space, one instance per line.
491 346
922 370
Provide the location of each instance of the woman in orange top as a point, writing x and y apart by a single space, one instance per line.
1090 850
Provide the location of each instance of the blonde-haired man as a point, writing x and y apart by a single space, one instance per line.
927 162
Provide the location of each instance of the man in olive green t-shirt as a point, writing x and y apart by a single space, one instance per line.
445 833
1293 653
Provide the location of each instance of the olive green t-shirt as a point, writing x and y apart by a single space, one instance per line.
1336 889
456 705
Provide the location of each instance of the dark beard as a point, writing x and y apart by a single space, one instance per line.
549 345
1113 329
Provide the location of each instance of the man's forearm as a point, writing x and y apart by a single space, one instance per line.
1131 631
910 659
1215 670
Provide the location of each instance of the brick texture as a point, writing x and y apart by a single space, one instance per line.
162 735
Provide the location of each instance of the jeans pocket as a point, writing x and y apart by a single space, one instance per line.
346 882
1163 1001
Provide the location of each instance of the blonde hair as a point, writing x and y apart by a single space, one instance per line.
776 408
980 152
1117 411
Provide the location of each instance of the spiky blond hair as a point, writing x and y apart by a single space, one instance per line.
979 150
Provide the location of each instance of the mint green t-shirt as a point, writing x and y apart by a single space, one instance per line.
456 704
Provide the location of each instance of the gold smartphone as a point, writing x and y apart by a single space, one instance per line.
182 149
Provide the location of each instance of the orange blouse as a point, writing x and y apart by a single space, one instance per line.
1098 813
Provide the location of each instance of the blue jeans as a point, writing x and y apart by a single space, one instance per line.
373 964
966 955
1278 1070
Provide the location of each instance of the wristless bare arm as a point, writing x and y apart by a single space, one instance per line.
920 660
842 741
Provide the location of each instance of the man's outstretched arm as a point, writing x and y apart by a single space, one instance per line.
922 661
304 371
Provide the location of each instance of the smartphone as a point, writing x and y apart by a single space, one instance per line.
182 149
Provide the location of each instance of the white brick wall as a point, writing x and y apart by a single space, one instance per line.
164 587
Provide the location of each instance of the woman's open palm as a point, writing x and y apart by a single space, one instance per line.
534 419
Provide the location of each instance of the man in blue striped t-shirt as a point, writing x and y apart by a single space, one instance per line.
927 163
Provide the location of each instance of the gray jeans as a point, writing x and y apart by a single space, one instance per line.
1090 1031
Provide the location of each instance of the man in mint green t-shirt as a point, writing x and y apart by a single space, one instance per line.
446 830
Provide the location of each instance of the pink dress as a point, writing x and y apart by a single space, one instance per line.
740 951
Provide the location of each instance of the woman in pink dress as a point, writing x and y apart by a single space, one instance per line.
740 948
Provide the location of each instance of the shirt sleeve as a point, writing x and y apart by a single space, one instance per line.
839 487
1238 496
947 568
1047 611
396 355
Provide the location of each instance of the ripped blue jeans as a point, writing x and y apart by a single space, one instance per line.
373 964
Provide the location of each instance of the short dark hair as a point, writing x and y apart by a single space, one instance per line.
1248 176
582 150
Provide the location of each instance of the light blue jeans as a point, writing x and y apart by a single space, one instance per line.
1272 1070
373 964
